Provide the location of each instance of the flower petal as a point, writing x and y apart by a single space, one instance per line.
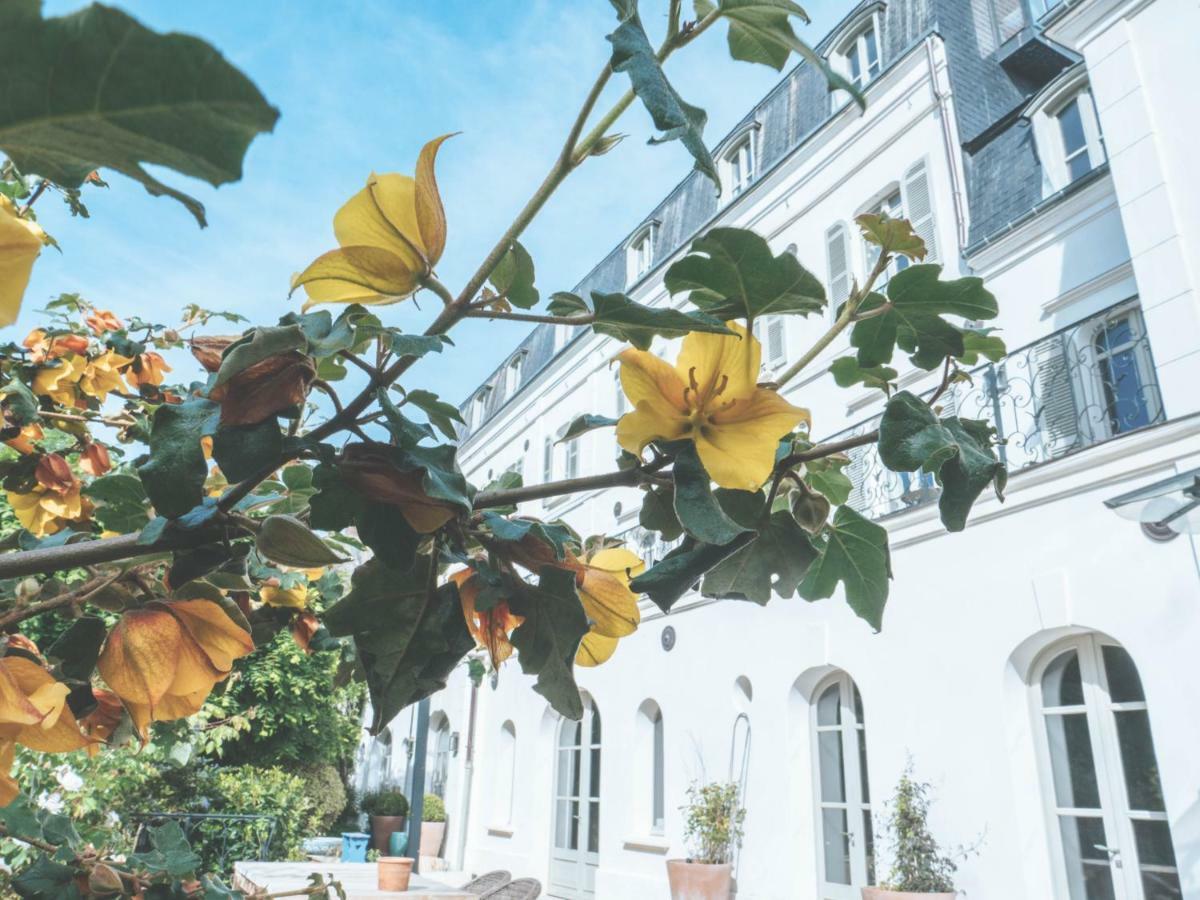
141 654
720 364
611 606
20 243
221 639
372 269
645 424
595 649
383 215
58 731
8 785
645 377
738 448
625 564
15 708
431 217
334 291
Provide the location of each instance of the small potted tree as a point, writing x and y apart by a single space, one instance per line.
433 825
387 809
919 867
713 832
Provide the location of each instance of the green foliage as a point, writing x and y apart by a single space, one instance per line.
243 450
854 552
681 569
585 423
847 372
513 277
631 322
774 562
696 506
387 802
289 542
918 863
713 824
174 471
133 97
547 640
433 809
324 785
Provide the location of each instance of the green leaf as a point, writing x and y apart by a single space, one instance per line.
546 642
513 277
847 373
19 402
583 424
21 817
442 415
327 336
78 648
564 303
404 431
441 478
415 345
776 560
732 274
515 529
121 502
46 880
255 346
658 512
174 471
98 89
383 528
958 452
894 236
825 476
408 641
288 542
677 120
698 510
855 554
681 569
619 317
243 451
171 854
980 342
914 320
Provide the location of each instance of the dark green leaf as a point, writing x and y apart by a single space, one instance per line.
383 528
415 345
847 373
585 423
242 451
175 470
775 560
255 346
513 277
404 431
855 554
19 402
78 647
681 570
326 335
564 303
658 512
733 275
171 854
515 529
97 89
980 342
187 565
121 502
21 817
46 880
547 640
826 477
441 415
697 509
633 53
619 317
958 452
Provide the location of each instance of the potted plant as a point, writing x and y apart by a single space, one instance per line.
433 825
919 867
387 809
713 832
393 872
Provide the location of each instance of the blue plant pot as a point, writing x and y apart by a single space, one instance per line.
354 846
398 843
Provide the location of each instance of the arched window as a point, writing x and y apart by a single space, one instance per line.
1103 791
846 856
575 854
438 765
649 770
506 773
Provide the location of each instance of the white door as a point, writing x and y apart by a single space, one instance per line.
1109 822
575 854
847 843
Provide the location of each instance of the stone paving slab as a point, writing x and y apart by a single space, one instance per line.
358 879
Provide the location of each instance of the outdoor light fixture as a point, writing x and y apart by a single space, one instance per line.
1165 509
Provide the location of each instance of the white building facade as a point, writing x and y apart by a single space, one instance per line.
1039 669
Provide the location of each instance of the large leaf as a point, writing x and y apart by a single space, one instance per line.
174 471
97 89
171 853
243 451
408 638
855 554
78 647
733 275
847 372
442 415
892 236
547 640
122 502
681 569
913 321
255 346
46 880
957 451
676 119
774 562
619 317
695 505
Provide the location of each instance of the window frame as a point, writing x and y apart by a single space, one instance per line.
639 252
739 162
1044 112
849 43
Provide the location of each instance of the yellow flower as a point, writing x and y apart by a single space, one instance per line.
103 375
23 443
43 511
290 598
391 235
710 396
163 660
611 607
34 713
148 369
20 243
58 383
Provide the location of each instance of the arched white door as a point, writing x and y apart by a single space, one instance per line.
847 849
1108 820
575 850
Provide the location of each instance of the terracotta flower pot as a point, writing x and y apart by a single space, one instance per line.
871 893
382 828
431 838
699 881
394 873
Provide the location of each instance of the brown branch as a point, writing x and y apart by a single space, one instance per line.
354 360
33 842
622 478
79 595
820 451
479 313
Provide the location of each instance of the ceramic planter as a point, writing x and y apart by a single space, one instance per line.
870 893
382 828
394 872
699 881
431 838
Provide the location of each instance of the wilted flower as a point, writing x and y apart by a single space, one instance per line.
94 459
369 469
23 443
102 721
490 627
264 389
54 499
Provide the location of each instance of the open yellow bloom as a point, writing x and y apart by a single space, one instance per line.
611 607
58 382
44 511
20 243
103 375
290 598
163 660
34 713
391 235
710 396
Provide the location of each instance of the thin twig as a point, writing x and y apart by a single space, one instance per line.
477 313
80 595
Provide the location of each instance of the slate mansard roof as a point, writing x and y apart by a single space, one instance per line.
992 80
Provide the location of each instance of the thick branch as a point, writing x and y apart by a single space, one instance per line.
586 319
622 478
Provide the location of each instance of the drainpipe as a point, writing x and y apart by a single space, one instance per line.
953 154
460 856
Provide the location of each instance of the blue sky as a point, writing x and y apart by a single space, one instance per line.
361 86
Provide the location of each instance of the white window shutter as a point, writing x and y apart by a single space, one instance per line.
838 256
918 207
776 349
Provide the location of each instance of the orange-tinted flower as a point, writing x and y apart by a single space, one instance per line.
489 627
23 443
304 626
103 374
163 660
95 459
368 468
33 713
102 721
54 473
59 382
290 598
101 320
148 368
43 511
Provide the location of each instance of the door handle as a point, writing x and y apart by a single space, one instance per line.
1114 854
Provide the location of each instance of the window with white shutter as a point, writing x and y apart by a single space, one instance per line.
918 207
776 343
838 257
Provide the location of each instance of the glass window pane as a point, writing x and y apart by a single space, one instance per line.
872 51
1138 760
595 726
1070 120
1089 872
869 837
837 846
1161 886
595 773
1071 761
864 783
658 803
1123 395
565 772
573 843
1156 859
833 780
1078 165
562 824
829 707
1062 685
576 761
594 827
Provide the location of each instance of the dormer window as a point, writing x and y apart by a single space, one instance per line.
855 50
640 253
739 166
479 408
1082 146
1067 131
512 374
862 58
